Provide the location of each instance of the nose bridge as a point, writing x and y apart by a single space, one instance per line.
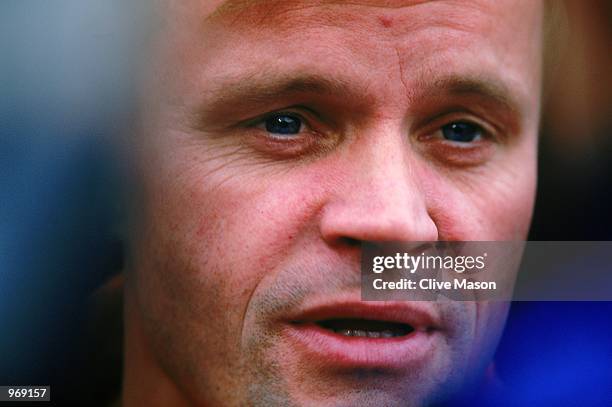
381 199
385 180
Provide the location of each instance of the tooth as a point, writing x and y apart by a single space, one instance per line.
345 332
373 334
387 334
359 332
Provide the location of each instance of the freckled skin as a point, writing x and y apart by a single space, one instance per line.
234 230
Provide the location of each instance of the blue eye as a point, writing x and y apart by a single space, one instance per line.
284 124
462 132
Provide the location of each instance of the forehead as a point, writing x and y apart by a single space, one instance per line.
507 23
278 15
406 14
211 41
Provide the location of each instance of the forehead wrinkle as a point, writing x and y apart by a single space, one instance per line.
257 13
232 6
257 17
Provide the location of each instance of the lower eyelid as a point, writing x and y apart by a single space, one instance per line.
260 135
303 144
460 156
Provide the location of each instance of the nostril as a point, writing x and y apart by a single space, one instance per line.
349 241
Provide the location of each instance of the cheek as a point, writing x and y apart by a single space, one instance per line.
231 228
210 238
254 225
492 202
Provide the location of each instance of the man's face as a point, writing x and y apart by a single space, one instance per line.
280 136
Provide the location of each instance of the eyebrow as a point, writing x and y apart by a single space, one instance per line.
244 92
492 90
314 84
250 91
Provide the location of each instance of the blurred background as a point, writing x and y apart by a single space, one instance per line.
67 77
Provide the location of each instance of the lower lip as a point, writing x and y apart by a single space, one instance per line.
329 348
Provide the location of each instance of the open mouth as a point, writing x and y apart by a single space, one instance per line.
366 328
358 334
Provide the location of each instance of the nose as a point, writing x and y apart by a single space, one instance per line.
379 198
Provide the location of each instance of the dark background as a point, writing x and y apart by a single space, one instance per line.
66 75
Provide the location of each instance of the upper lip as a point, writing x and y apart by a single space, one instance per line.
419 315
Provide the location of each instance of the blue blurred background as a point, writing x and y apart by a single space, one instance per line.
67 72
